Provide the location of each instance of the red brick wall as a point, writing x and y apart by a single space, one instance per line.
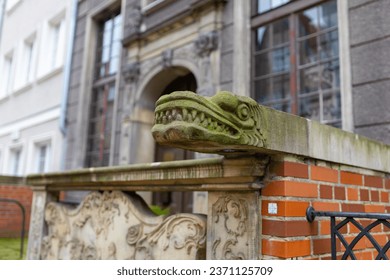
10 213
293 186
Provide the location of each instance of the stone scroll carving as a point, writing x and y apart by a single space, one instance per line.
114 225
230 228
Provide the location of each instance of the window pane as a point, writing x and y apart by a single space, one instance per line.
331 106
262 36
263 90
329 45
262 64
308 22
284 106
330 75
281 87
328 14
309 107
309 81
266 5
281 59
263 6
280 32
308 51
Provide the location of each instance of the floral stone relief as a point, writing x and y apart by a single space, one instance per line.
114 225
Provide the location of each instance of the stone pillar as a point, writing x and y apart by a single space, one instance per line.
37 221
233 225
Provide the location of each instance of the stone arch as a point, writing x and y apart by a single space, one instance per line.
142 145
159 77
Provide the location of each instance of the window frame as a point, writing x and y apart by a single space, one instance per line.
52 48
10 169
7 87
103 83
290 10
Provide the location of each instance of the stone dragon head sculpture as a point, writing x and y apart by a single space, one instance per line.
224 123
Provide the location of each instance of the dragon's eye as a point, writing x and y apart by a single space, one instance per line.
243 112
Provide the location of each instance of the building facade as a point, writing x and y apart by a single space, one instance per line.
33 46
319 59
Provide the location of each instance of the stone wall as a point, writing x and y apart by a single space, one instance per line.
369 46
294 184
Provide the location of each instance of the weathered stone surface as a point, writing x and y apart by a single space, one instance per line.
361 24
112 225
380 132
231 125
232 226
367 62
376 97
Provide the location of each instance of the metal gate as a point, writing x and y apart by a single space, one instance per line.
351 217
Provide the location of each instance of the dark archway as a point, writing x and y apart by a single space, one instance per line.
175 201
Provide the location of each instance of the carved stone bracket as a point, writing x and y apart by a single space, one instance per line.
134 18
232 226
166 58
113 225
131 72
206 43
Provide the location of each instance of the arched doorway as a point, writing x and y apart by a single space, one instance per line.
176 201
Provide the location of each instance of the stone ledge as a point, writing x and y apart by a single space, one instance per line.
190 175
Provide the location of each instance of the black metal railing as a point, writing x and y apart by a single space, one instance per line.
350 217
22 233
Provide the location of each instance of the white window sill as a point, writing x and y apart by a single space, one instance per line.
4 98
11 9
23 88
50 74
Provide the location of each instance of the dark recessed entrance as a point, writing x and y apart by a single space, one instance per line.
176 201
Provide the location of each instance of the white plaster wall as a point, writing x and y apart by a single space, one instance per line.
31 110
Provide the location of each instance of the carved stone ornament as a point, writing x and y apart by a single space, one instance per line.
131 72
134 18
114 225
206 43
166 57
230 221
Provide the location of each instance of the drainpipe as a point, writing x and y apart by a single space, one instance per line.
66 81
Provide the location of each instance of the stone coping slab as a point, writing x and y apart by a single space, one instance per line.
188 175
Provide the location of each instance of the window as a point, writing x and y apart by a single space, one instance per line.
296 61
103 92
27 71
6 84
42 156
53 51
15 162
266 5
56 44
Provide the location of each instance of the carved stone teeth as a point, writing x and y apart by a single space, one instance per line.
185 113
170 117
168 112
202 116
189 118
193 113
164 120
179 117
205 123
174 112
197 120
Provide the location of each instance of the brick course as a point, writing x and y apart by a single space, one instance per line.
10 213
287 194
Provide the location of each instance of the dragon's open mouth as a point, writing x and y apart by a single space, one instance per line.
193 116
